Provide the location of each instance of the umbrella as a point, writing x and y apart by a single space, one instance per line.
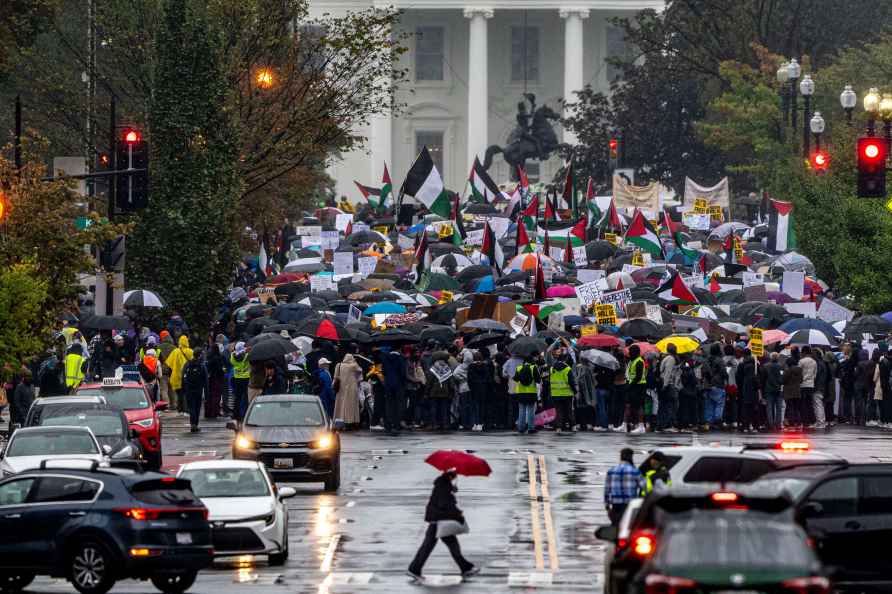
472 272
704 296
481 208
257 325
271 349
868 325
262 337
285 277
324 328
735 328
794 261
526 346
599 341
437 333
773 336
811 337
599 250
485 324
464 463
640 328
480 341
452 261
444 314
600 358
645 347
292 312
726 229
394 336
365 236
443 282
289 328
732 296
95 322
237 294
385 307
560 291
809 324
305 265
528 262
615 278
143 298
683 344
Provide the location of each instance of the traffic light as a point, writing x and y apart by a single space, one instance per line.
131 189
615 148
820 161
112 255
872 154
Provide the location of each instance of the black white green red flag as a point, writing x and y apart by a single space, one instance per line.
423 182
642 234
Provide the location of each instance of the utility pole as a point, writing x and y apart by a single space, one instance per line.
18 133
89 141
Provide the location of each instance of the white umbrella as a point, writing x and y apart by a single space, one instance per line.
726 229
143 298
811 337
305 265
459 261
600 358
735 328
614 278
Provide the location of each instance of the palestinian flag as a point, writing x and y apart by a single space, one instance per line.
701 264
458 234
423 182
642 234
491 248
550 210
611 221
542 310
386 200
522 238
561 233
781 237
569 194
667 226
546 243
690 255
370 194
720 284
483 188
531 213
422 255
675 291
579 229
539 287
523 184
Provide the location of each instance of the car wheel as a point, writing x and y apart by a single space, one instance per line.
15 582
276 559
90 568
174 583
333 482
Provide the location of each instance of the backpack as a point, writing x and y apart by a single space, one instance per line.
193 378
718 373
524 375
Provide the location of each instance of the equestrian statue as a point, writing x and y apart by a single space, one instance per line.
533 138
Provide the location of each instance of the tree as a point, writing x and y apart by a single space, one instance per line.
23 294
184 245
20 23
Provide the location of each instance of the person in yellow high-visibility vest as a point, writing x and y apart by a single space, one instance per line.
636 389
657 473
75 367
563 390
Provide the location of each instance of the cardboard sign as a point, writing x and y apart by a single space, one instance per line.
617 297
605 314
830 312
309 230
794 284
637 309
716 213
612 238
343 263
330 240
584 275
474 237
701 206
320 283
579 256
637 258
311 240
751 279
518 323
588 330
654 313
756 345
806 309
588 293
342 221
755 293
700 222
367 265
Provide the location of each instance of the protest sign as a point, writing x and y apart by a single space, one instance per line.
579 256
320 283
654 313
342 221
308 230
311 241
806 309
588 330
751 279
794 284
354 314
499 225
585 275
556 253
636 309
612 238
619 297
716 213
637 258
700 222
830 312
343 263
588 293
518 323
755 293
701 206
357 227
757 347
605 314
367 265
329 240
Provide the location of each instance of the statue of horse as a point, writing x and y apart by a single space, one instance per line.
537 143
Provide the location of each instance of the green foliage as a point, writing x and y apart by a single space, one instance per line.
184 245
23 294
20 23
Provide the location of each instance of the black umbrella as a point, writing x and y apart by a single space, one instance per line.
95 322
289 328
481 208
437 333
751 312
484 340
444 314
526 346
306 253
271 349
255 311
484 324
256 326
438 248
874 325
644 293
394 336
292 312
640 329
348 288
364 236
327 295
551 334
518 276
732 296
472 272
262 337
443 282
704 296
359 336
291 290
599 250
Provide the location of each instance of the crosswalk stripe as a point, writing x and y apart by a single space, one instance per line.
549 524
327 560
534 514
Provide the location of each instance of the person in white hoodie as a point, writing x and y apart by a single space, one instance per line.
468 413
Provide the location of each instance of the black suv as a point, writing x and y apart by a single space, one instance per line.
94 525
847 511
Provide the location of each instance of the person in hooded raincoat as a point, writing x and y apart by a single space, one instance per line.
177 361
347 375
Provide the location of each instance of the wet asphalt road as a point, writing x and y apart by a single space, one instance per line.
526 535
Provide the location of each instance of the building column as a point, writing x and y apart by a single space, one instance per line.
574 55
478 91
381 138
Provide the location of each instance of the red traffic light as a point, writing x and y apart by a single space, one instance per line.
131 136
613 144
820 161
871 152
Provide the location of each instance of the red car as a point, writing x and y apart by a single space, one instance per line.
142 414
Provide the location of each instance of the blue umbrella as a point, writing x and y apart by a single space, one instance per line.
385 307
486 285
791 326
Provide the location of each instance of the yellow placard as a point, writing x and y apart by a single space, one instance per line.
605 314
701 206
716 212
444 231
382 229
445 296
757 347
756 334
637 258
588 330
612 238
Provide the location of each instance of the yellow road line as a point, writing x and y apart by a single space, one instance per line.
327 560
534 514
549 524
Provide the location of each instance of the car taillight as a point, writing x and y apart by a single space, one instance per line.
667 584
140 514
724 497
795 446
643 544
808 585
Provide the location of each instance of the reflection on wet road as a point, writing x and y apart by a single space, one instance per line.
532 522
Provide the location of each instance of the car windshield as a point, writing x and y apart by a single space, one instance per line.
227 482
51 444
794 486
285 413
102 425
123 398
734 540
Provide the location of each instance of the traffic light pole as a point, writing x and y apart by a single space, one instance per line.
110 195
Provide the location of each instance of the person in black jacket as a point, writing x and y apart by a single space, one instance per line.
441 506
195 385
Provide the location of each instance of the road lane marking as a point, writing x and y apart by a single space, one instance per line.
546 510
534 514
327 560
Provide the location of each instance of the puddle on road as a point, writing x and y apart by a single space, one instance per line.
571 497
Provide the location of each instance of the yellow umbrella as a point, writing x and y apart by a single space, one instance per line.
683 344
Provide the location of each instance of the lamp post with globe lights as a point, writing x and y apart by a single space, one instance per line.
848 100
807 88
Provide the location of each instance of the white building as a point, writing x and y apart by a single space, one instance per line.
469 63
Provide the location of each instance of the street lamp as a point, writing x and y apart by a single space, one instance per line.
783 75
793 72
807 88
885 110
264 78
817 125
848 99
872 106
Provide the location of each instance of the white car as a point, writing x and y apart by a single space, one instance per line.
715 463
29 447
247 512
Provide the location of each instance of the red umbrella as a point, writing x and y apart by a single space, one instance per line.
463 463
599 341
324 328
645 348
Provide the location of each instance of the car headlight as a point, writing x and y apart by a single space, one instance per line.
145 423
125 452
323 443
245 443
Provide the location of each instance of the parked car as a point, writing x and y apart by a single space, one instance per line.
142 413
292 436
93 526
847 511
117 440
48 406
30 446
247 511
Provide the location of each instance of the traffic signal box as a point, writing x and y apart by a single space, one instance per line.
131 189
872 153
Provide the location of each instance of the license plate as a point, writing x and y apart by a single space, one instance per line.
283 463
184 538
